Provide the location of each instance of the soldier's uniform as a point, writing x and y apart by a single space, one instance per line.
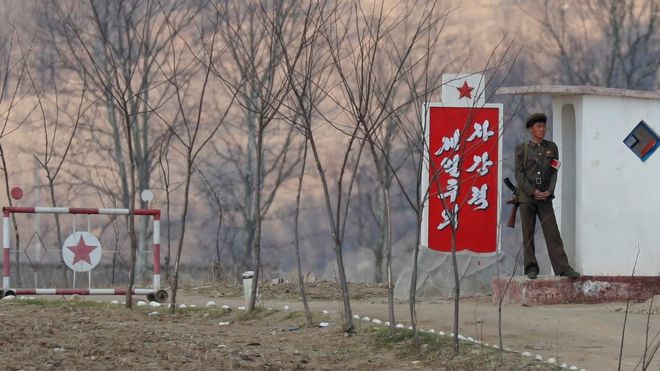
534 171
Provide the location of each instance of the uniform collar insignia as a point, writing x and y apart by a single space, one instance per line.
543 143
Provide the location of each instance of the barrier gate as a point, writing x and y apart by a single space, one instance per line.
81 252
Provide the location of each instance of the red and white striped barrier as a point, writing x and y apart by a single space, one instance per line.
6 283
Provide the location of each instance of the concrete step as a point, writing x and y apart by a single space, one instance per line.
584 290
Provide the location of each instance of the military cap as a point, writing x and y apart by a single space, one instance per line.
534 118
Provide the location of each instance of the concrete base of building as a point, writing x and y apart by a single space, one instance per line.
584 290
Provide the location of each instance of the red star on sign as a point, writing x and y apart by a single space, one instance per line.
465 91
81 251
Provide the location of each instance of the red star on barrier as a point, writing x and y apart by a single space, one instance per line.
81 251
465 91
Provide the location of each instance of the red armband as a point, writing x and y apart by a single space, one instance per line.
555 164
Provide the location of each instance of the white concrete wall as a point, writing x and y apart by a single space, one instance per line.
617 196
566 111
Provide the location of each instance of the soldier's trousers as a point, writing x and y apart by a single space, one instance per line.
529 211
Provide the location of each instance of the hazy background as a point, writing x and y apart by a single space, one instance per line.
52 53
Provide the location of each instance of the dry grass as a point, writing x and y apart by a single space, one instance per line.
86 334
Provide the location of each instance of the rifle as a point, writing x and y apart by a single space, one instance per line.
513 202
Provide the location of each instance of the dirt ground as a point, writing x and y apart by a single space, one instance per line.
83 333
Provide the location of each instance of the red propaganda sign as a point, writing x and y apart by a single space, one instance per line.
463 177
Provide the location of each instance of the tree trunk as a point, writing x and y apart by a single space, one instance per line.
301 281
58 228
168 257
184 214
257 215
217 237
413 283
386 223
131 216
347 313
388 253
457 288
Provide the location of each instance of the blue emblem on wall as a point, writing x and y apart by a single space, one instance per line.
642 140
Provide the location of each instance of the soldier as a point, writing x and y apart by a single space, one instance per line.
537 162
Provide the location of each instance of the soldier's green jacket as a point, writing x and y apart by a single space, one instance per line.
536 172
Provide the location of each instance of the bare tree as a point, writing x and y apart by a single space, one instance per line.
216 266
301 281
309 69
249 30
371 65
306 68
613 43
13 71
115 78
54 130
164 164
116 44
196 119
